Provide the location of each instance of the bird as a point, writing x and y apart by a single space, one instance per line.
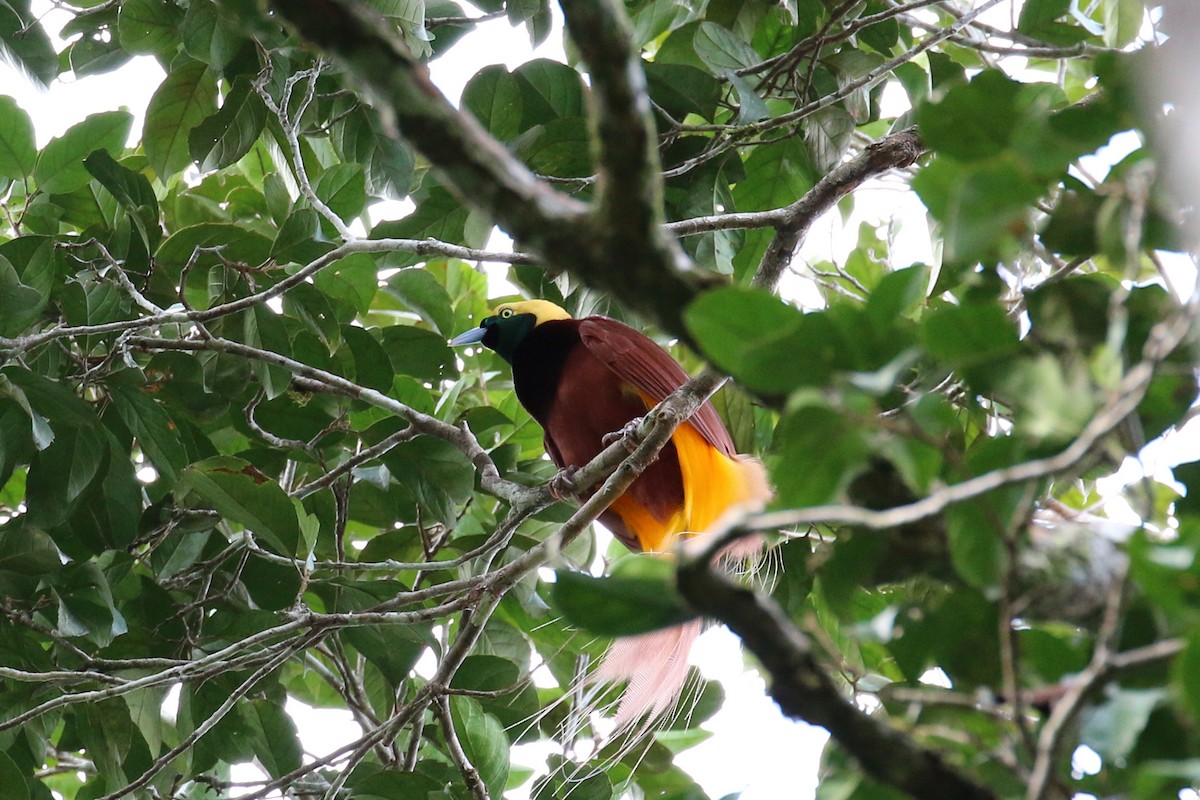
584 380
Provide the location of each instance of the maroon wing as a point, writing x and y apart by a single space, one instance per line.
636 358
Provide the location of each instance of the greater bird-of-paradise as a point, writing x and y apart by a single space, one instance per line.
584 379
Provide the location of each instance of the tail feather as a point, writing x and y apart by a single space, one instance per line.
655 666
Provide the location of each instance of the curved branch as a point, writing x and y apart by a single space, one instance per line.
894 151
803 689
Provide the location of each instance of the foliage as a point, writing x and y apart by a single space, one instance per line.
233 461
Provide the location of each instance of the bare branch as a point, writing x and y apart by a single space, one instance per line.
897 150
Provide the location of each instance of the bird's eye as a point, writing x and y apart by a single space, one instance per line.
506 312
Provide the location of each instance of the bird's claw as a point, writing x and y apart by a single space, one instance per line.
627 434
561 486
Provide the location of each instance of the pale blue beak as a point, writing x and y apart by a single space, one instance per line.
472 336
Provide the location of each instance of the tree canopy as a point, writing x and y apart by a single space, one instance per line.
239 462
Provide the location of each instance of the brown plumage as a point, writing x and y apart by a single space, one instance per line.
585 379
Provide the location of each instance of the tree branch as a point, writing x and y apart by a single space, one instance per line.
895 151
653 280
804 690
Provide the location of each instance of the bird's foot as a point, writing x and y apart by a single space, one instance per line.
627 434
561 486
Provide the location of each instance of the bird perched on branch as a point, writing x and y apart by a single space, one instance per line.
586 379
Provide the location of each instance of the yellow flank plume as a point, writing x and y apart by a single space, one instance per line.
712 484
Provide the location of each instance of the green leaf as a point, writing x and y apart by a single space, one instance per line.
18 152
682 89
1039 19
721 50
154 430
145 711
60 167
819 453
12 778
560 148
494 97
620 606
391 785
971 334
483 741
238 244
184 100
208 36
549 90
300 239
439 216
242 494
1112 729
226 136
567 781
1187 674
372 368
343 187
27 550
976 547
973 121
419 353
19 304
751 107
132 190
828 133
149 26
85 604
1123 21
272 735
422 293
745 331
24 43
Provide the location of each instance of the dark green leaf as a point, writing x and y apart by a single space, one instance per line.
745 330
620 606
24 43
184 100
226 136
19 304
419 353
819 453
155 432
12 779
721 50
972 121
483 741
149 26
132 190
27 550
244 495
272 734
343 188
970 334
494 97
